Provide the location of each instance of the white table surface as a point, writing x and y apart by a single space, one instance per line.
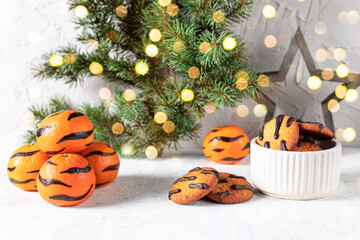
136 206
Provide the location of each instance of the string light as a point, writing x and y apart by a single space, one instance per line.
320 28
340 91
117 128
210 107
129 95
155 35
349 134
96 68
270 41
242 83
339 54
342 70
121 11
263 80
333 105
141 68
81 11
70 58
164 3
260 110
353 17
160 117
342 17
169 126
205 47
327 74
269 11
172 9
127 149
151 50
56 60
321 55
151 152
92 44
242 111
229 43
339 134
219 16
179 46
104 93
187 95
314 82
351 95
194 72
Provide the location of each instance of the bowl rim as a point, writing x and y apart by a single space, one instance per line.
253 142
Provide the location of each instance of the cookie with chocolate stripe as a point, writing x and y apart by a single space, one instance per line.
304 146
316 130
231 189
305 137
194 185
280 133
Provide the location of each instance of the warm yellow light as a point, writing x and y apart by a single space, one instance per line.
333 105
270 41
314 82
92 44
117 128
242 111
129 95
351 95
155 35
169 126
263 80
340 91
269 11
151 50
160 117
187 95
104 93
179 46
339 134
164 3
194 72
56 60
96 68
320 28
349 134
342 17
242 83
70 58
141 68
342 70
339 54
219 16
151 152
210 107
81 11
127 149
327 74
353 17
260 110
229 43
121 11
321 54
205 47
172 9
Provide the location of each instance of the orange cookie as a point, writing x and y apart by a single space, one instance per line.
305 137
24 165
66 180
280 133
316 130
303 146
104 160
226 145
194 185
231 189
64 132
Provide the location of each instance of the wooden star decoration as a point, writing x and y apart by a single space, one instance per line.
298 43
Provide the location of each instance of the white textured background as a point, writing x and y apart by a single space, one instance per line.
30 28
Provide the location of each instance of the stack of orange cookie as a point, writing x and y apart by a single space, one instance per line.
64 165
286 134
219 187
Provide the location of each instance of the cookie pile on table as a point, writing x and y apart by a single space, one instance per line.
286 134
65 165
219 187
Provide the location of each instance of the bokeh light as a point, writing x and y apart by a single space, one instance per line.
141 68
229 43
160 117
210 107
320 28
349 134
172 9
151 50
105 93
321 55
340 91
353 17
339 54
117 128
339 134
351 95
242 111
270 41
127 149
263 80
179 46
81 11
327 74
187 95
56 60
169 126
314 82
205 47
219 16
155 35
151 152
242 83
269 11
121 11
92 44
194 72
342 17
70 58
260 110
342 70
96 68
164 3
333 105
129 95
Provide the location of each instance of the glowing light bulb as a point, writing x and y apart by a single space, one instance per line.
81 11
269 11
270 41
210 107
314 82
351 95
342 70
151 152
127 149
164 3
260 110
70 58
172 9
321 54
155 35
141 68
242 111
339 54
229 43
342 17
205 47
56 60
333 105
160 117
353 17
169 126
194 72
327 74
349 134
92 44
129 95
340 91
179 46
263 80
96 68
117 128
151 50
242 83
104 93
320 28
121 11
219 16
187 95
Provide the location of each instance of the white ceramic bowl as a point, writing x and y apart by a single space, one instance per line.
296 175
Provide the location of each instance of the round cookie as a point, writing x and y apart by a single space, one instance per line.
194 185
280 133
305 137
231 189
316 130
304 146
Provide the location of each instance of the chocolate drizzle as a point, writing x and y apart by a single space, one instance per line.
74 115
103 154
234 176
78 170
41 131
261 133
320 125
218 149
211 172
246 146
112 167
221 195
183 179
54 152
283 145
195 169
11 169
199 186
24 154
223 180
47 182
299 144
267 144
279 120
100 184
231 159
76 136
173 192
35 171
226 139
289 121
64 197
20 182
241 187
